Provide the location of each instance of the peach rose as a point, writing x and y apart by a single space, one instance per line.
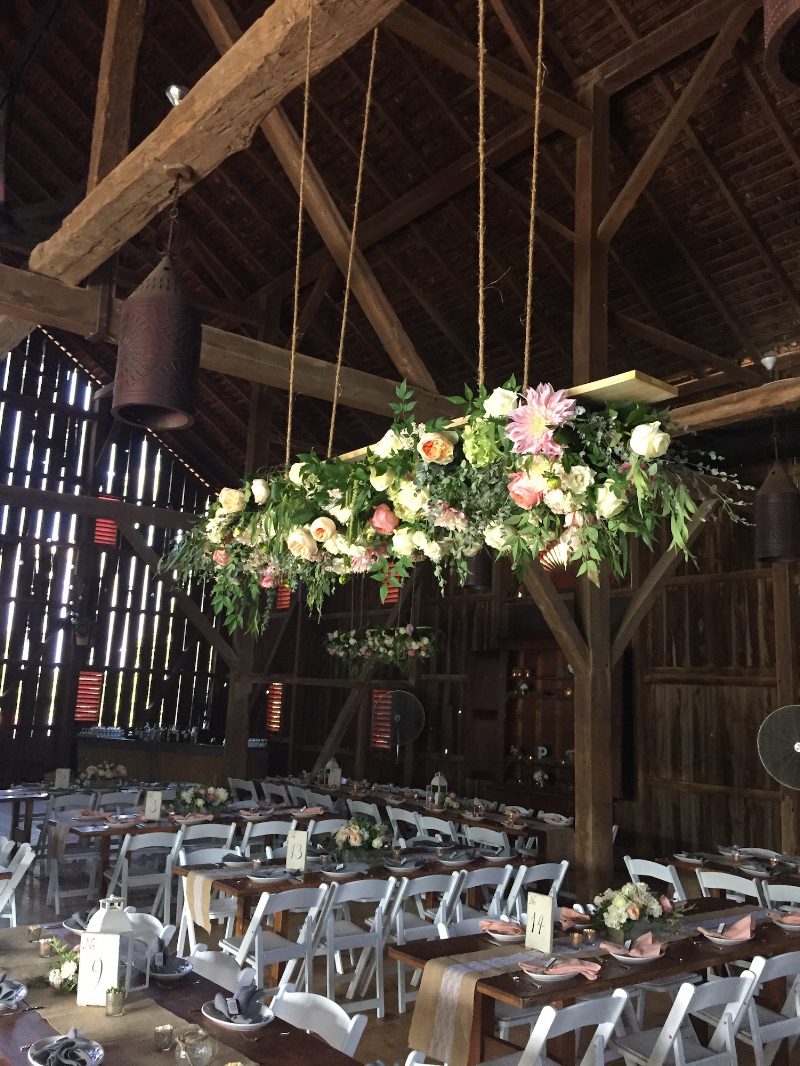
322 529
300 543
384 520
231 500
524 491
221 557
437 447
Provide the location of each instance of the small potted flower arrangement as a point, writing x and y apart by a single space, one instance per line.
103 773
624 914
198 799
64 975
359 836
115 1001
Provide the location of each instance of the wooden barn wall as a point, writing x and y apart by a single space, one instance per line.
706 676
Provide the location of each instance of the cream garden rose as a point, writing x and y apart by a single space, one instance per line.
260 490
497 537
577 480
296 474
609 503
322 529
381 482
231 500
501 403
403 541
389 443
409 500
437 447
300 543
649 440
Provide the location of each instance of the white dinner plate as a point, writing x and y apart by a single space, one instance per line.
210 1011
179 968
787 927
265 876
726 941
548 978
726 849
37 1053
349 869
695 860
507 938
237 864
407 867
753 868
634 960
493 857
452 861
761 853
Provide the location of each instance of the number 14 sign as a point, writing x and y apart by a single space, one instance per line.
539 926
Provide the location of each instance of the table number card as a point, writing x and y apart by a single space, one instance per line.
62 779
296 848
152 806
99 967
539 926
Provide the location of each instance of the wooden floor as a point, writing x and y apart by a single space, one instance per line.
384 1041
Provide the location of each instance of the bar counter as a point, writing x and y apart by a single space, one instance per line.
151 760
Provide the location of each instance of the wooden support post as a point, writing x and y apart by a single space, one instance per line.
237 719
784 592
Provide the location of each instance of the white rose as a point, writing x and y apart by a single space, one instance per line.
577 480
409 500
335 545
55 978
68 969
539 472
296 474
380 482
300 543
231 500
497 537
389 443
403 541
341 514
322 529
501 403
558 501
608 502
649 440
260 490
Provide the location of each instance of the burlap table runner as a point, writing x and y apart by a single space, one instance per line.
442 1019
127 1040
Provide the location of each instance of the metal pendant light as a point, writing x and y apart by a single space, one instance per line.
777 516
159 348
479 571
782 41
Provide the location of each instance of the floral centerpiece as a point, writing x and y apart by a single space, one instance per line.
199 799
393 647
519 473
103 773
361 835
623 914
64 976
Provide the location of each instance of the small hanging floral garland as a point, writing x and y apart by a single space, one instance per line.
518 473
393 647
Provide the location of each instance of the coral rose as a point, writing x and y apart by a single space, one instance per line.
384 520
221 557
437 447
524 491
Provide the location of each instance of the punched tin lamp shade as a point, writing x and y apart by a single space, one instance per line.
782 40
777 517
158 354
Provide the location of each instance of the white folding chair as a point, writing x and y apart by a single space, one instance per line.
486 878
678 1042
118 802
343 934
776 895
320 799
763 1029
157 850
23 858
407 925
730 886
493 839
216 966
399 817
274 793
546 876
271 834
297 795
242 789
324 827
321 1016
667 876
222 907
261 947
367 810
6 850
66 851
207 834
436 828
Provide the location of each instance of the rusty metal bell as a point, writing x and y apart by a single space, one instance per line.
782 41
158 353
777 517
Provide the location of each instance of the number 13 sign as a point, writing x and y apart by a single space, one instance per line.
99 967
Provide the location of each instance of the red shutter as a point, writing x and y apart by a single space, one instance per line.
381 731
392 594
283 598
274 707
90 691
105 529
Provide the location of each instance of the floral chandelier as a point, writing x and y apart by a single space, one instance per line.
518 473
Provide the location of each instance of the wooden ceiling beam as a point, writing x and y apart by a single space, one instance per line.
221 25
75 309
771 398
675 121
115 85
665 44
459 55
692 353
217 119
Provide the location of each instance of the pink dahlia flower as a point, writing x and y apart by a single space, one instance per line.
531 425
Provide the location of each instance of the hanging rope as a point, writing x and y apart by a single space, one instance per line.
353 245
537 110
299 254
481 188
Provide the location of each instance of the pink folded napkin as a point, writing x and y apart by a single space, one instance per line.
644 947
740 930
585 967
191 819
554 819
489 925
792 918
308 812
568 917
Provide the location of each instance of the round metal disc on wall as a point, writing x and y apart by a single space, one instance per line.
782 41
779 745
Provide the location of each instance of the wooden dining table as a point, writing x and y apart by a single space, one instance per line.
785 873
22 801
5 873
692 953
